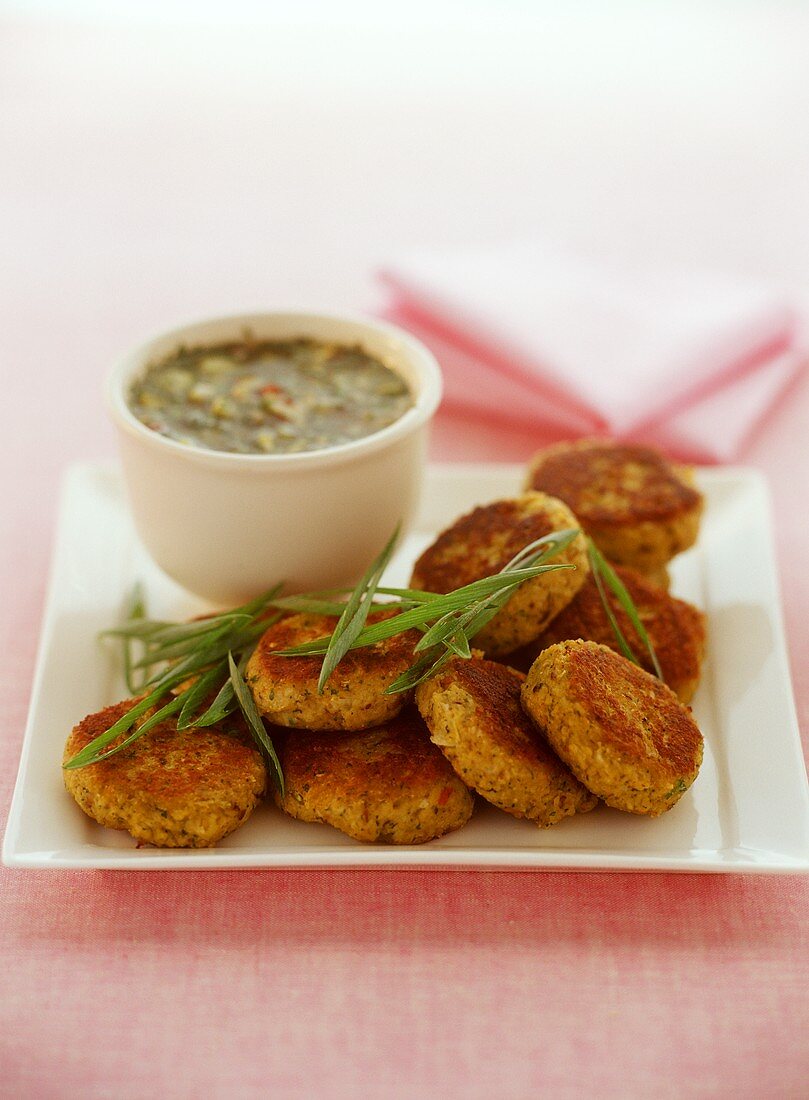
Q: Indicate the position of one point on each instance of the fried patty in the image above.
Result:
(472, 708)
(676, 629)
(622, 732)
(483, 542)
(387, 784)
(660, 578)
(638, 508)
(171, 788)
(285, 688)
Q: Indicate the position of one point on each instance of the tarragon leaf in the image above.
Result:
(603, 572)
(353, 618)
(255, 723)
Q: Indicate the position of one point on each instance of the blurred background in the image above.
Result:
(163, 161)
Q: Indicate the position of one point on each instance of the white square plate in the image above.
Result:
(747, 812)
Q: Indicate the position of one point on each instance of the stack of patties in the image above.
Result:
(584, 724)
(389, 776)
(587, 723)
(472, 707)
(474, 712)
(640, 511)
(675, 628)
(354, 757)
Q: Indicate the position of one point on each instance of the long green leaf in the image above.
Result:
(310, 605)
(121, 726)
(223, 705)
(448, 621)
(136, 610)
(181, 646)
(352, 620)
(137, 628)
(422, 670)
(182, 632)
(206, 642)
(552, 544)
(426, 613)
(199, 692)
(86, 756)
(163, 630)
(170, 679)
(255, 723)
(602, 569)
(225, 702)
(620, 637)
(208, 654)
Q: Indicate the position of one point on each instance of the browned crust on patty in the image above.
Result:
(485, 540)
(639, 509)
(172, 788)
(285, 688)
(474, 714)
(621, 731)
(482, 542)
(386, 784)
(675, 628)
(495, 691)
(388, 657)
(611, 483)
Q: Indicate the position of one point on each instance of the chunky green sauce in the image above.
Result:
(261, 397)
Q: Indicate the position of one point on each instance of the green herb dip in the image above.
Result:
(262, 397)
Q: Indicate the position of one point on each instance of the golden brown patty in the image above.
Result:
(676, 629)
(660, 578)
(622, 732)
(637, 507)
(483, 542)
(172, 788)
(473, 711)
(285, 688)
(385, 784)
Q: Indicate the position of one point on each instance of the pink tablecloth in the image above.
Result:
(384, 984)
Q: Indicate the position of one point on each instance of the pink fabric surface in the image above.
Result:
(331, 984)
(689, 361)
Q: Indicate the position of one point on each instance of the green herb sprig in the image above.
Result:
(606, 577)
(203, 658)
(448, 621)
(207, 657)
(352, 620)
(136, 609)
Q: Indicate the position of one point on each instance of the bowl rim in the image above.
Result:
(429, 389)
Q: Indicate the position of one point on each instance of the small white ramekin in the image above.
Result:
(228, 526)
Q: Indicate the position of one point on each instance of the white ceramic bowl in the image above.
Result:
(228, 526)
